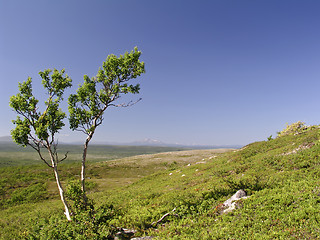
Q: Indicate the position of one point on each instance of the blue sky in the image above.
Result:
(217, 72)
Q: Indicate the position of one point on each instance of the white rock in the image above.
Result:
(230, 204)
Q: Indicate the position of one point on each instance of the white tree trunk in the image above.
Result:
(83, 168)
(83, 165)
(56, 174)
(65, 204)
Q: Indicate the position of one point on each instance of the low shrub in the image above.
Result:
(294, 128)
(88, 222)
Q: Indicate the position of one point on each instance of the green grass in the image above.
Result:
(19, 205)
(281, 177)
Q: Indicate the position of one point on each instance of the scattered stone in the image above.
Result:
(301, 147)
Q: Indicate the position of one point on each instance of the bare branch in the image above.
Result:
(164, 216)
(129, 104)
(38, 149)
(82, 130)
(65, 157)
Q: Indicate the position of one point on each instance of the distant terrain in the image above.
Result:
(180, 194)
(144, 142)
(14, 155)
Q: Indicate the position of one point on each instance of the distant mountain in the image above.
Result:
(148, 142)
(144, 142)
(153, 142)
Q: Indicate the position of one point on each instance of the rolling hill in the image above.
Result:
(181, 195)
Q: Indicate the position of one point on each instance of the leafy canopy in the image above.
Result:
(32, 126)
(95, 95)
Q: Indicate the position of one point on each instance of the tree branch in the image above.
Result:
(38, 149)
(164, 216)
(65, 157)
(81, 130)
(129, 104)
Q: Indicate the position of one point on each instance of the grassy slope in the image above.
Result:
(284, 194)
(281, 177)
(19, 205)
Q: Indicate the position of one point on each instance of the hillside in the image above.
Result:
(182, 196)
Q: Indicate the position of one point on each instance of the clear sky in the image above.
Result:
(217, 71)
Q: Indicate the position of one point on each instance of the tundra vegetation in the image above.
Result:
(179, 195)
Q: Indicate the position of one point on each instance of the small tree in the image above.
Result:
(95, 95)
(38, 129)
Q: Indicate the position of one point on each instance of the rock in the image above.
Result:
(142, 238)
(230, 204)
(124, 234)
(127, 234)
(200, 162)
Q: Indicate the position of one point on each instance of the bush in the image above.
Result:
(294, 128)
(32, 193)
(85, 227)
(87, 221)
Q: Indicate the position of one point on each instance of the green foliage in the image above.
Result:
(32, 193)
(79, 201)
(88, 222)
(294, 128)
(95, 95)
(34, 123)
(84, 226)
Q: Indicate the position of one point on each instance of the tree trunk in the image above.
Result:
(83, 166)
(61, 192)
(65, 204)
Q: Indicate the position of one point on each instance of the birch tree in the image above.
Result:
(97, 94)
(38, 129)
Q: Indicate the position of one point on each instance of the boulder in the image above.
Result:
(230, 204)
